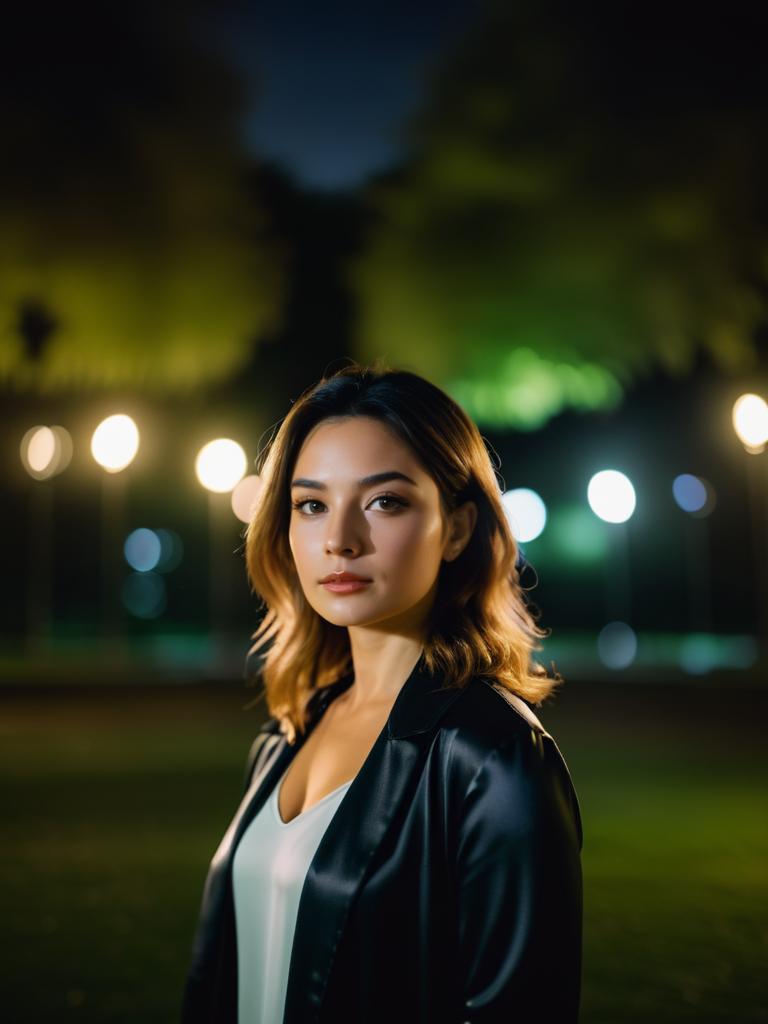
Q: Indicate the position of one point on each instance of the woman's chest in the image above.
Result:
(331, 756)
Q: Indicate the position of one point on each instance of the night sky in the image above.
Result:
(331, 86)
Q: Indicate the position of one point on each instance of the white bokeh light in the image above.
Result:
(526, 513)
(46, 451)
(115, 442)
(220, 464)
(750, 421)
(41, 449)
(611, 496)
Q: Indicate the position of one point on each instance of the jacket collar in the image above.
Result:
(421, 703)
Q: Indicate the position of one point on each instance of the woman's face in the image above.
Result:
(390, 531)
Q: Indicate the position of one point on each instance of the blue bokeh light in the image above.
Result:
(617, 645)
(142, 550)
(690, 492)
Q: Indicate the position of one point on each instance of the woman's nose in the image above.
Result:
(343, 535)
(337, 548)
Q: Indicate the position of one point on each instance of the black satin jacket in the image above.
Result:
(447, 887)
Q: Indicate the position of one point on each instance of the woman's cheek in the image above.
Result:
(416, 546)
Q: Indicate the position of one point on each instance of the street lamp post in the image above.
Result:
(611, 497)
(114, 445)
(695, 497)
(45, 452)
(219, 466)
(750, 422)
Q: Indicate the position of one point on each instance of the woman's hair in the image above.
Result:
(479, 623)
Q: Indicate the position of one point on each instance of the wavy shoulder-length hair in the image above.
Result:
(479, 624)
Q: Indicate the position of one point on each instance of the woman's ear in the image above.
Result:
(461, 525)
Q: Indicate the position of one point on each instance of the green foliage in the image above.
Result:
(581, 194)
(127, 224)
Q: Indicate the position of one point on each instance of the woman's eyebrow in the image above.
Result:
(367, 481)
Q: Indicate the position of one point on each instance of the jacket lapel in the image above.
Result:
(357, 828)
(274, 765)
(211, 989)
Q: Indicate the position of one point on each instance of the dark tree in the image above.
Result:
(585, 202)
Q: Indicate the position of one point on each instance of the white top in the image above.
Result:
(268, 872)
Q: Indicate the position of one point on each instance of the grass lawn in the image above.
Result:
(114, 802)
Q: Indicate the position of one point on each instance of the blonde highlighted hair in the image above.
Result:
(479, 624)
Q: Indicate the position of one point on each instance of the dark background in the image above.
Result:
(557, 214)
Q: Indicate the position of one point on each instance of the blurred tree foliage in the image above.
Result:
(131, 249)
(585, 200)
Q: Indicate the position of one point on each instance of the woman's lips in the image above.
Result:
(346, 586)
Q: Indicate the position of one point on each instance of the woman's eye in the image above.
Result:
(392, 503)
(307, 501)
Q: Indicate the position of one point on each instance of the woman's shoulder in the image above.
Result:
(489, 720)
(493, 713)
(522, 710)
(497, 744)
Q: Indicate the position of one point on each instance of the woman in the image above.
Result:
(408, 844)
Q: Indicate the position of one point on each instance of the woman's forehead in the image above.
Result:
(361, 438)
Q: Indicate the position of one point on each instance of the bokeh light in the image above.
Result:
(220, 464)
(693, 494)
(115, 442)
(750, 421)
(617, 645)
(46, 451)
(146, 550)
(611, 496)
(41, 449)
(142, 549)
(144, 595)
(244, 497)
(526, 513)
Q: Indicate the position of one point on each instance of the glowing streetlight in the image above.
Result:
(45, 452)
(220, 465)
(611, 496)
(750, 421)
(526, 513)
(696, 496)
(115, 442)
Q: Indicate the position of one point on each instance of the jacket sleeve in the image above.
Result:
(519, 886)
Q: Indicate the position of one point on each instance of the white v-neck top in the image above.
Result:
(268, 871)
